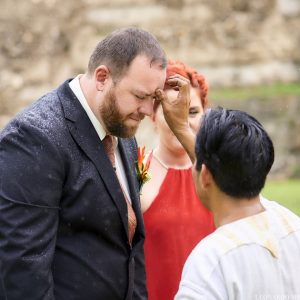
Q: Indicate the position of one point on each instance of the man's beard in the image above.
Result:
(113, 120)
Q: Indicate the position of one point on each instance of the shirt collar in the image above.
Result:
(76, 88)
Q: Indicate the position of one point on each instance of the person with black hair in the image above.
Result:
(254, 252)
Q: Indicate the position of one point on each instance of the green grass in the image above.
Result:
(264, 91)
(285, 192)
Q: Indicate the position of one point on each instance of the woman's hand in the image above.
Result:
(176, 112)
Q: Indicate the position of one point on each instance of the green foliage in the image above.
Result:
(285, 192)
(264, 91)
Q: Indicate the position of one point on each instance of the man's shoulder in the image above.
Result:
(284, 221)
(265, 229)
(43, 115)
(209, 251)
(203, 264)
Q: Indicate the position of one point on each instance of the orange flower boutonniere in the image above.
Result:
(142, 167)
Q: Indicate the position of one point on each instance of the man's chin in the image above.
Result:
(126, 132)
(131, 131)
(123, 129)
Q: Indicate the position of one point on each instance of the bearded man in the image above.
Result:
(70, 219)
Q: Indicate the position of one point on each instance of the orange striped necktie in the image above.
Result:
(109, 144)
(109, 147)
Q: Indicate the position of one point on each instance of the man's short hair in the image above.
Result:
(237, 151)
(119, 48)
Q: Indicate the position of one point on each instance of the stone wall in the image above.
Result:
(232, 42)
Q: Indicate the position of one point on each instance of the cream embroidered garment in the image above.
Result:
(250, 259)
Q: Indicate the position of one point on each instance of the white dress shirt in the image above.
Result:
(76, 88)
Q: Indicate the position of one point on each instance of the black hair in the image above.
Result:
(118, 49)
(237, 151)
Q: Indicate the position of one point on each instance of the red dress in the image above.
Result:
(175, 222)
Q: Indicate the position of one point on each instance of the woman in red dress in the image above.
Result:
(175, 219)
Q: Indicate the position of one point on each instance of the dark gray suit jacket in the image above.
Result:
(63, 216)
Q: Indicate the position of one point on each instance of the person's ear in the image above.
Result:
(101, 75)
(205, 177)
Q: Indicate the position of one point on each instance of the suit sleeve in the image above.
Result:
(31, 176)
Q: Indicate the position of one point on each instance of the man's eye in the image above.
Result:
(140, 97)
(193, 113)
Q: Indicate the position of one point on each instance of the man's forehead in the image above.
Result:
(142, 92)
(145, 84)
(145, 79)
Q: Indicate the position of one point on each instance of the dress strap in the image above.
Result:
(158, 159)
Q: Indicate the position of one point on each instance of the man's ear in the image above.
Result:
(205, 177)
(101, 75)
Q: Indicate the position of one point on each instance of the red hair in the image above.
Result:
(198, 81)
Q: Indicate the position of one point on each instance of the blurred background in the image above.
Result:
(249, 51)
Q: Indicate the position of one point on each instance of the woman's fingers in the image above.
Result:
(179, 78)
(178, 82)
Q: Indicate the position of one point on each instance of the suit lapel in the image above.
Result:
(87, 139)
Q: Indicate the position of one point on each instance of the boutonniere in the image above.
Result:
(142, 168)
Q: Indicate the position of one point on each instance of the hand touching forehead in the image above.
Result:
(144, 77)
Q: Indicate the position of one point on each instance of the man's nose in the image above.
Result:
(146, 107)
